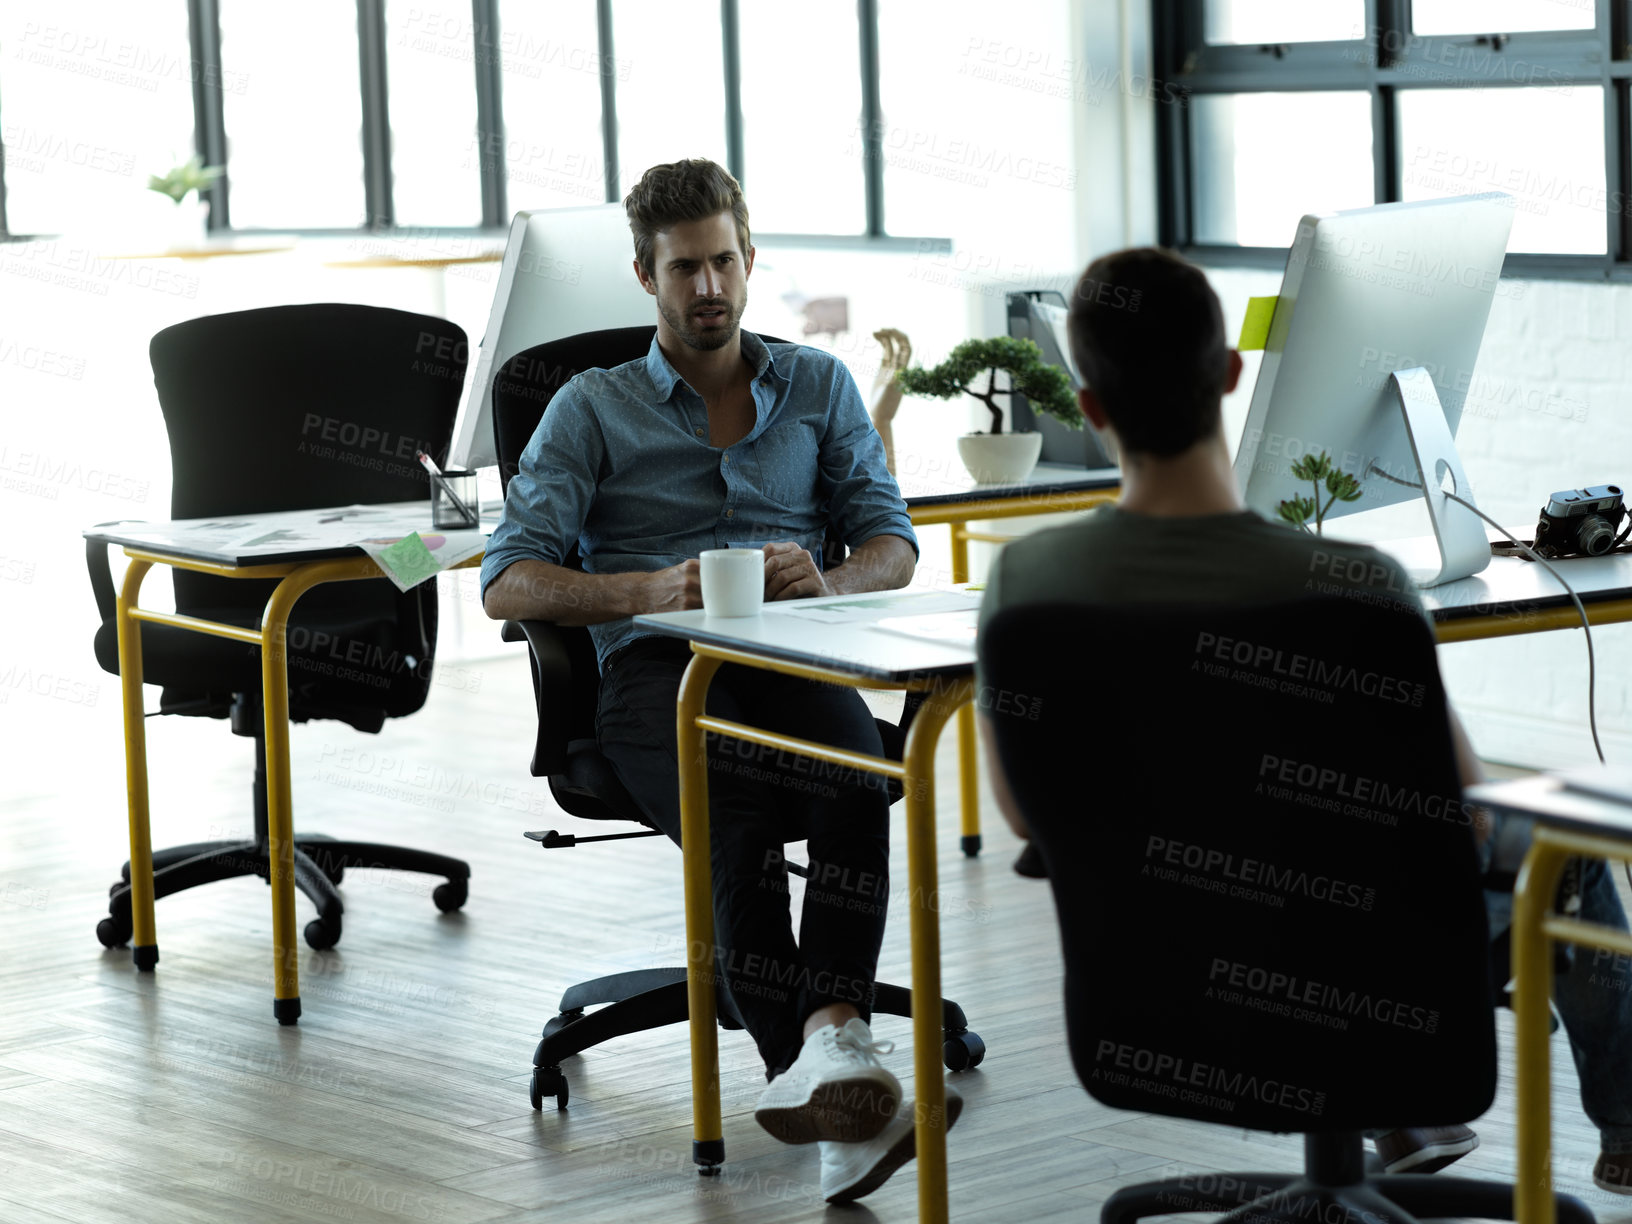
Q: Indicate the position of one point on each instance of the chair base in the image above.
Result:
(1326, 1191)
(652, 998)
(320, 864)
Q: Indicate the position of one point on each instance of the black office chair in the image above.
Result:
(290, 408)
(566, 682)
(1267, 890)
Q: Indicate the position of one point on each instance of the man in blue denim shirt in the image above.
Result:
(717, 439)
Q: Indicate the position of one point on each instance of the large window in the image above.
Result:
(553, 151)
(1269, 109)
(430, 70)
(409, 116)
(132, 70)
(671, 99)
(976, 123)
(293, 115)
(801, 117)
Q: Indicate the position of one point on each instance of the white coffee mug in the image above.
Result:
(733, 581)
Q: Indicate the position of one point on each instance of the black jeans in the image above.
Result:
(760, 799)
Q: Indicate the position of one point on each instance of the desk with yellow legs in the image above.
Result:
(947, 495)
(1511, 597)
(860, 656)
(297, 575)
(1567, 824)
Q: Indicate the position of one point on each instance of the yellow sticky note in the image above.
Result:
(1255, 327)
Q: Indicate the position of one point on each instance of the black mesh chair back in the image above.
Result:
(290, 408)
(525, 385)
(522, 391)
(1267, 887)
(295, 408)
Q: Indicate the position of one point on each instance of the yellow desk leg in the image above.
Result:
(960, 551)
(280, 834)
(144, 942)
(922, 883)
(968, 782)
(708, 1134)
(1533, 973)
(280, 831)
(968, 757)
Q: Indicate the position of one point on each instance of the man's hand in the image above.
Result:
(792, 573)
(679, 588)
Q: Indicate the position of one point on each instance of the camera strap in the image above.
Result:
(1506, 548)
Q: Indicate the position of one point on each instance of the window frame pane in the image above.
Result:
(1388, 60)
(373, 88)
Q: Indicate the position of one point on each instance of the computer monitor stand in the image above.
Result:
(1458, 532)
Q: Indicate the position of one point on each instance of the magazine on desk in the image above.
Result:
(877, 607)
(934, 616)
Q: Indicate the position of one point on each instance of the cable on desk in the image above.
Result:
(1586, 627)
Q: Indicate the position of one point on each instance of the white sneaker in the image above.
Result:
(835, 1089)
(851, 1170)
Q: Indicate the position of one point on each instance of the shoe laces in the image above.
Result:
(856, 1038)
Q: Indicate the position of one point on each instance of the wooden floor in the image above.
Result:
(402, 1094)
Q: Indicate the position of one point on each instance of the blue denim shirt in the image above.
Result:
(621, 466)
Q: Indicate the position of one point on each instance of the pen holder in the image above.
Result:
(453, 501)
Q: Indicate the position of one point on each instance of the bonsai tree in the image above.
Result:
(1046, 386)
(191, 175)
(1318, 469)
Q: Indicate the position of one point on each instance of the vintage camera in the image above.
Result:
(1581, 522)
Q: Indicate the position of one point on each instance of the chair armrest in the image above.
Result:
(96, 560)
(552, 680)
(1504, 855)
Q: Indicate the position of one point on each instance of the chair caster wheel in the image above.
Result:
(113, 889)
(321, 935)
(450, 896)
(963, 1051)
(548, 1081)
(113, 934)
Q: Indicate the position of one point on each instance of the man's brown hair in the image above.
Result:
(689, 190)
(1147, 335)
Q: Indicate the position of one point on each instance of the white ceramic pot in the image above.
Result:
(1000, 458)
(185, 225)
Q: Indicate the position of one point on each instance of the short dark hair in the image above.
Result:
(688, 190)
(1147, 335)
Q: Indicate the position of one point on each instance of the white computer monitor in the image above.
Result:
(1369, 296)
(565, 270)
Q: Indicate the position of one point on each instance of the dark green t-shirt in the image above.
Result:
(1109, 556)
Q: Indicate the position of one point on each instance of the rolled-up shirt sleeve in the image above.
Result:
(548, 499)
(862, 497)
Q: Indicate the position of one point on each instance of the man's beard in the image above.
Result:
(695, 337)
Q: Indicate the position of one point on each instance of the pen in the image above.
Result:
(334, 518)
(429, 465)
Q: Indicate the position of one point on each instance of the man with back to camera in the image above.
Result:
(716, 439)
(1147, 335)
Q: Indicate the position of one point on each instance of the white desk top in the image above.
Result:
(941, 480)
(1509, 585)
(287, 536)
(857, 644)
(1545, 799)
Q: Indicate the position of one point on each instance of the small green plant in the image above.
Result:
(1318, 470)
(190, 175)
(1046, 386)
